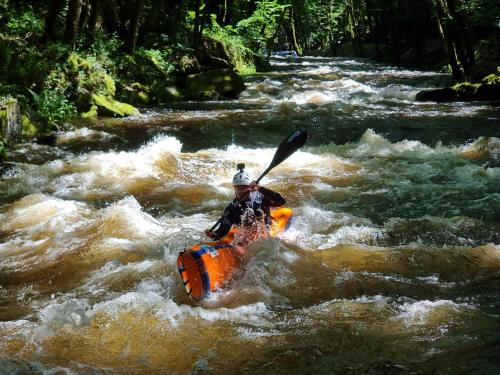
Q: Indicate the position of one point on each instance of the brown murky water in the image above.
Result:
(392, 264)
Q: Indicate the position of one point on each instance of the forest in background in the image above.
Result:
(66, 58)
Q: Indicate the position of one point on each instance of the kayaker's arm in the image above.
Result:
(223, 229)
(273, 198)
(225, 224)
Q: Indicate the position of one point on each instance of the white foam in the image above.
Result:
(255, 314)
(38, 212)
(317, 228)
(82, 134)
(420, 312)
(129, 221)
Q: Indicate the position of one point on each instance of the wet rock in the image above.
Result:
(462, 92)
(488, 92)
(437, 95)
(47, 139)
(213, 53)
(163, 94)
(6, 167)
(224, 82)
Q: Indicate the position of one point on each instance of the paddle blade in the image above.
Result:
(287, 147)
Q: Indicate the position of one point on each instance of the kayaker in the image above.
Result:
(250, 207)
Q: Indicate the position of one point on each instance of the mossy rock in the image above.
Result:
(92, 112)
(492, 79)
(214, 53)
(465, 91)
(30, 129)
(165, 93)
(107, 106)
(225, 82)
(188, 65)
(135, 93)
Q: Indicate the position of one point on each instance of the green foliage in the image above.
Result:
(24, 23)
(325, 22)
(234, 45)
(261, 25)
(148, 66)
(53, 106)
(106, 48)
(81, 76)
(484, 13)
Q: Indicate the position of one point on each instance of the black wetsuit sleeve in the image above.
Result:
(230, 217)
(223, 229)
(272, 198)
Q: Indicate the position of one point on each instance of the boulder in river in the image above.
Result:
(219, 82)
(107, 106)
(464, 92)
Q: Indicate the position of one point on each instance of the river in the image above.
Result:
(392, 263)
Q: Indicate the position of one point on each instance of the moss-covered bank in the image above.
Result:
(486, 90)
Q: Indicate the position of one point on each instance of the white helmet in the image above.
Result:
(242, 177)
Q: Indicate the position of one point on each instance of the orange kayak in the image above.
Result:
(207, 267)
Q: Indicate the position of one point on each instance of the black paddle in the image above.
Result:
(287, 147)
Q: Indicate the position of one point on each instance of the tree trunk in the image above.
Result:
(226, 16)
(51, 19)
(417, 23)
(448, 42)
(353, 28)
(270, 42)
(196, 28)
(463, 34)
(395, 35)
(72, 22)
(133, 29)
(206, 17)
(85, 14)
(153, 18)
(297, 46)
(497, 32)
(109, 14)
(92, 23)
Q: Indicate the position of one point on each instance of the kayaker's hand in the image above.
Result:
(210, 234)
(254, 186)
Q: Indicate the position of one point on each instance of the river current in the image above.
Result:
(391, 265)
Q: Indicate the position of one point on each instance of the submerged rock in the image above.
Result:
(213, 83)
